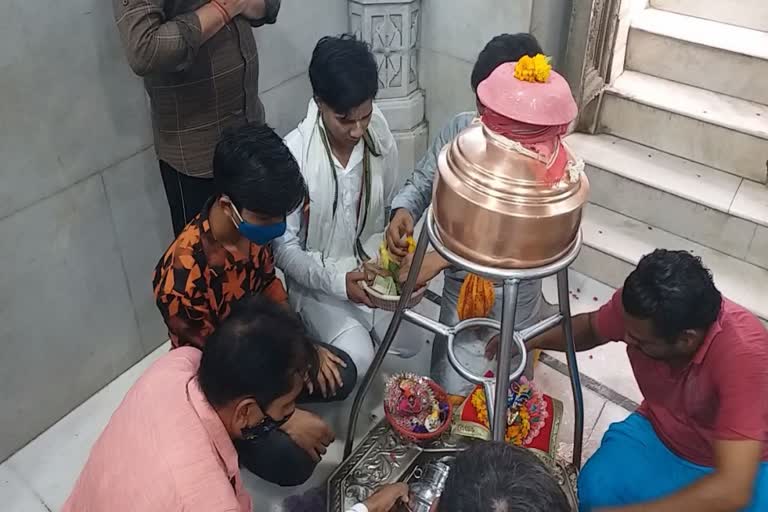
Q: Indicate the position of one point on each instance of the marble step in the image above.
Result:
(743, 13)
(614, 243)
(716, 209)
(710, 128)
(702, 53)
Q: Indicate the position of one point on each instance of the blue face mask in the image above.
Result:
(259, 235)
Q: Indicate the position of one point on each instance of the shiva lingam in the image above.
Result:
(507, 207)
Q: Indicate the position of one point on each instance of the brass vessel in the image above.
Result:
(494, 205)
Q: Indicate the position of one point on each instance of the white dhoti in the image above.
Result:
(342, 225)
(348, 326)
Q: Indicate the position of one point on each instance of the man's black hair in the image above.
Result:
(257, 171)
(343, 73)
(497, 477)
(257, 351)
(674, 290)
(503, 48)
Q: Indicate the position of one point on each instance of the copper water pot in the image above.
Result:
(494, 207)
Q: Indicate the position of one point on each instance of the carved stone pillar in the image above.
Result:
(391, 27)
(589, 56)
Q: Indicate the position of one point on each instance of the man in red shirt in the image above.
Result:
(699, 441)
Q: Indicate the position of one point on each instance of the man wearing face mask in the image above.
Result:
(349, 159)
(224, 255)
(170, 445)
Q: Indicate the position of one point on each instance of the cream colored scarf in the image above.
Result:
(321, 182)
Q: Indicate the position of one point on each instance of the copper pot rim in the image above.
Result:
(501, 262)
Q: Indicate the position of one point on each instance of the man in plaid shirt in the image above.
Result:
(201, 70)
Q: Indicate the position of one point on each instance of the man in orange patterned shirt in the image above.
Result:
(225, 254)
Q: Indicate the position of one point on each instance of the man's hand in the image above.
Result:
(354, 292)
(310, 432)
(386, 497)
(433, 264)
(399, 229)
(328, 375)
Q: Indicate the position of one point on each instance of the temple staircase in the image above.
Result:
(679, 159)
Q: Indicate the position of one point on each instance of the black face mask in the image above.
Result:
(265, 427)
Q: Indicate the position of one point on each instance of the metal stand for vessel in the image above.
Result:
(496, 388)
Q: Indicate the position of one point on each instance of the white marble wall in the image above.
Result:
(83, 218)
(550, 21)
(285, 50)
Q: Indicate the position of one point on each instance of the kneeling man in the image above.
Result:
(170, 445)
(225, 255)
(349, 160)
(699, 441)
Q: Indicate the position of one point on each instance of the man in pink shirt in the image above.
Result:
(699, 441)
(169, 445)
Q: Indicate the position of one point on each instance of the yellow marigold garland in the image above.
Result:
(411, 244)
(517, 432)
(533, 69)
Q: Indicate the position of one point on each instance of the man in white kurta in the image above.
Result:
(349, 160)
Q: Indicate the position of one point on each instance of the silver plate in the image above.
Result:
(383, 458)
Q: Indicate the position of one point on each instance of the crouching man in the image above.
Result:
(348, 157)
(171, 444)
(225, 255)
(699, 440)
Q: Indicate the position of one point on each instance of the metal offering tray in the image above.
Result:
(384, 458)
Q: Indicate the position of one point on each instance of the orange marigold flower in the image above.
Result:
(533, 69)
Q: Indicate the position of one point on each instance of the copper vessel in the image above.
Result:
(494, 206)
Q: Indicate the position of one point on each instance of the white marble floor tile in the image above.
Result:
(52, 462)
(558, 386)
(608, 364)
(16, 495)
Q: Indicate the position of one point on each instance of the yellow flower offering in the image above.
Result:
(389, 284)
(517, 430)
(384, 257)
(533, 69)
(411, 244)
